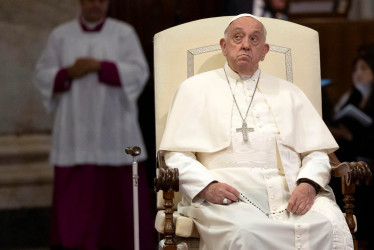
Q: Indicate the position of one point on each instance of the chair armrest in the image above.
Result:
(167, 180)
(351, 174)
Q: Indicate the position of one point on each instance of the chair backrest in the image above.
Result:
(191, 48)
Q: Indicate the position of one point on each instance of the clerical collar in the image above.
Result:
(232, 74)
(252, 77)
(91, 26)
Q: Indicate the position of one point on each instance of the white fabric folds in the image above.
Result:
(200, 118)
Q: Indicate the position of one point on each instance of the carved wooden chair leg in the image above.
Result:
(167, 181)
(348, 192)
(169, 228)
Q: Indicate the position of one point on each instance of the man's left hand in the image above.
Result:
(301, 199)
(89, 64)
(83, 66)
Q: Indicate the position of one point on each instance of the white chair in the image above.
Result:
(192, 48)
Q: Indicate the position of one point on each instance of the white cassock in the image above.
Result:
(94, 122)
(265, 169)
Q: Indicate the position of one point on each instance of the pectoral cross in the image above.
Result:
(244, 129)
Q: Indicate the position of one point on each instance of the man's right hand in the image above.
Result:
(83, 66)
(216, 192)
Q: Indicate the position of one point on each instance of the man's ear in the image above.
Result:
(265, 51)
(222, 43)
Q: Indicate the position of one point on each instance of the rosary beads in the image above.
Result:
(243, 198)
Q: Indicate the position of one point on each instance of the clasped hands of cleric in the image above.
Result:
(83, 66)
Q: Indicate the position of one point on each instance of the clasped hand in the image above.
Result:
(83, 66)
(300, 202)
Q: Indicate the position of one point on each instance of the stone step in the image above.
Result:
(26, 176)
(25, 148)
(26, 173)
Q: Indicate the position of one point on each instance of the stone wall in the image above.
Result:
(24, 28)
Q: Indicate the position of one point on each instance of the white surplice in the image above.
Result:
(94, 122)
(255, 168)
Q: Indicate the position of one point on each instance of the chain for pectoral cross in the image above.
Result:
(244, 129)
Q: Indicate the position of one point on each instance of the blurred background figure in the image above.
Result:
(91, 74)
(363, 9)
(265, 8)
(353, 128)
(354, 135)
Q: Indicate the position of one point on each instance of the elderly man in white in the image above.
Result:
(252, 154)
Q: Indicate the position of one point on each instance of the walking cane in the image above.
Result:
(135, 151)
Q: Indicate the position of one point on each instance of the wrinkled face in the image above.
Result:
(362, 74)
(94, 10)
(244, 46)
